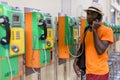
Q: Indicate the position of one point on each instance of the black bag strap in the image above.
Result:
(83, 41)
(85, 31)
(83, 46)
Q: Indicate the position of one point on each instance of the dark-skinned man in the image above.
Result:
(97, 40)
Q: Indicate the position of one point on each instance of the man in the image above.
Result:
(97, 40)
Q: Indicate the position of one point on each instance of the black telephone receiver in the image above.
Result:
(5, 21)
(44, 24)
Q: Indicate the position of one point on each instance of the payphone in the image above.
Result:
(12, 42)
(12, 30)
(36, 25)
(73, 47)
(67, 37)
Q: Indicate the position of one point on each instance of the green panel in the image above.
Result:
(4, 9)
(3, 51)
(2, 47)
(41, 31)
(69, 39)
(44, 57)
(73, 50)
(116, 34)
(37, 31)
(5, 71)
(71, 31)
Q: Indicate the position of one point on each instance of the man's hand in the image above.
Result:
(76, 68)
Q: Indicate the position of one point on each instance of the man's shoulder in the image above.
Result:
(106, 27)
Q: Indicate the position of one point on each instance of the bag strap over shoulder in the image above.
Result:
(82, 45)
(85, 31)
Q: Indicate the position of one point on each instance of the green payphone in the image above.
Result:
(67, 38)
(11, 41)
(75, 33)
(46, 53)
(12, 30)
(36, 34)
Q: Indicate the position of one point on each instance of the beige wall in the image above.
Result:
(50, 6)
(70, 7)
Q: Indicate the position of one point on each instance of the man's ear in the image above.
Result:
(99, 17)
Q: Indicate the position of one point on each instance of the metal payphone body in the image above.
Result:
(12, 41)
(65, 35)
(36, 35)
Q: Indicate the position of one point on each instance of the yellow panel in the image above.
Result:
(0, 10)
(17, 39)
(76, 36)
(50, 38)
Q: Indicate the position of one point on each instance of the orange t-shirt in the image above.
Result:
(95, 63)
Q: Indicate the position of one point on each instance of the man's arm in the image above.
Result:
(100, 45)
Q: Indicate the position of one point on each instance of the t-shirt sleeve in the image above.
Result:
(108, 35)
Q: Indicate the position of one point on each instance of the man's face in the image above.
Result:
(91, 16)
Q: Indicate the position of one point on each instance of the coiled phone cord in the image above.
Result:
(7, 53)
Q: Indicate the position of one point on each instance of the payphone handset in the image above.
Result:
(43, 23)
(5, 22)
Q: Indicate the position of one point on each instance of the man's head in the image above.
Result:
(94, 12)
